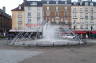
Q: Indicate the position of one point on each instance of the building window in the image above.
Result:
(74, 27)
(47, 13)
(91, 17)
(65, 12)
(74, 10)
(29, 14)
(34, 3)
(81, 11)
(86, 3)
(87, 26)
(56, 2)
(74, 22)
(29, 21)
(19, 19)
(47, 2)
(29, 8)
(38, 18)
(86, 9)
(66, 8)
(66, 22)
(80, 3)
(65, 2)
(81, 27)
(47, 8)
(57, 8)
(62, 20)
(91, 4)
(86, 17)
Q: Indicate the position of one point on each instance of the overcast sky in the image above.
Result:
(11, 4)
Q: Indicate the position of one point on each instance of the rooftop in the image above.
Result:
(40, 4)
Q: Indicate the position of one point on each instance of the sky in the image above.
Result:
(11, 4)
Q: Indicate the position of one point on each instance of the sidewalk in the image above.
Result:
(90, 40)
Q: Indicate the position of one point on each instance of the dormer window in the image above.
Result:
(47, 2)
(86, 3)
(56, 2)
(80, 3)
(74, 3)
(65, 2)
(34, 3)
(91, 4)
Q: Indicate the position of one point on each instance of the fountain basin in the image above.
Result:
(47, 43)
(53, 35)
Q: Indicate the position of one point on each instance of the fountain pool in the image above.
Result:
(53, 35)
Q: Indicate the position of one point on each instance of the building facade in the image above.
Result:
(83, 16)
(57, 13)
(30, 15)
(5, 22)
(33, 15)
(27, 17)
(18, 18)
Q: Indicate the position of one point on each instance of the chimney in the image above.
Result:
(4, 9)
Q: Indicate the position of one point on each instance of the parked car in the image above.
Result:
(69, 36)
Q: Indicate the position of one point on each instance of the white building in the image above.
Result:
(83, 16)
(33, 16)
(27, 17)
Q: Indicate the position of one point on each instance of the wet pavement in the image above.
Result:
(65, 54)
(15, 56)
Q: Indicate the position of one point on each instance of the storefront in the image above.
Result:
(82, 34)
(86, 34)
(92, 34)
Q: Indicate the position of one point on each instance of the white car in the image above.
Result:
(69, 36)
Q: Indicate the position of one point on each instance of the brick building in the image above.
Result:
(57, 12)
(5, 22)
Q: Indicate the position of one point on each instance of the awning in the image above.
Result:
(80, 32)
(93, 32)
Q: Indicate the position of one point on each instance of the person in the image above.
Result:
(86, 36)
(8, 36)
(4, 34)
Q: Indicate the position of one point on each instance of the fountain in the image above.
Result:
(53, 35)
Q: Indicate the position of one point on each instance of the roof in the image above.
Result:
(19, 9)
(84, 3)
(33, 3)
(4, 14)
(40, 4)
